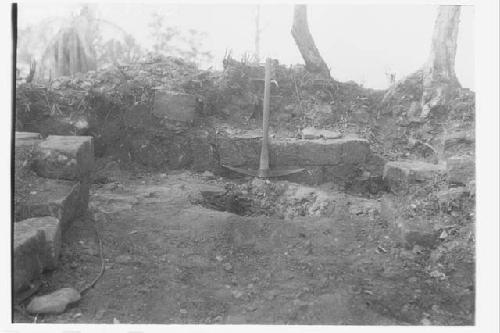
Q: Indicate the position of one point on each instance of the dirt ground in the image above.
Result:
(171, 261)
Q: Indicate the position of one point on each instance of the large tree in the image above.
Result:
(439, 71)
(305, 42)
(435, 82)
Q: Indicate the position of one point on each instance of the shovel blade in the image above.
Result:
(253, 173)
(268, 173)
(278, 173)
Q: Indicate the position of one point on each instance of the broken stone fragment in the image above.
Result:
(54, 303)
(208, 174)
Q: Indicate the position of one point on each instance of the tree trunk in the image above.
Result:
(439, 71)
(441, 63)
(305, 42)
(257, 35)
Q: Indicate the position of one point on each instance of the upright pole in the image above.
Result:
(264, 153)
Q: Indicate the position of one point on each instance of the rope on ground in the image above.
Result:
(22, 310)
(101, 272)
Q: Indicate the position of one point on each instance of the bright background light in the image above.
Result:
(358, 42)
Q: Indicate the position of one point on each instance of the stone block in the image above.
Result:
(64, 200)
(460, 169)
(245, 151)
(65, 157)
(175, 106)
(297, 152)
(27, 256)
(27, 139)
(400, 174)
(51, 228)
(239, 151)
(323, 159)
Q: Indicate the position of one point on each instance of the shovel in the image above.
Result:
(264, 171)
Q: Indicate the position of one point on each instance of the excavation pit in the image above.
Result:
(283, 200)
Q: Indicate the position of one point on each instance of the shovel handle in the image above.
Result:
(264, 153)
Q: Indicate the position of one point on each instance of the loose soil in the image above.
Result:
(171, 260)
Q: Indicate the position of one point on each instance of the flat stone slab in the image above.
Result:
(62, 199)
(37, 244)
(399, 174)
(460, 169)
(27, 139)
(65, 157)
(244, 151)
(175, 106)
(27, 136)
(315, 133)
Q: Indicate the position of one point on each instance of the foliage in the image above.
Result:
(170, 41)
(32, 41)
(123, 49)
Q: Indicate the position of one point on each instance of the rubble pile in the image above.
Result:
(279, 199)
(117, 106)
(400, 132)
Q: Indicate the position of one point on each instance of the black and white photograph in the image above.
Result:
(245, 164)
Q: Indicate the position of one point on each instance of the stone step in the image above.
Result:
(37, 244)
(241, 151)
(323, 159)
(65, 200)
(65, 157)
(399, 174)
